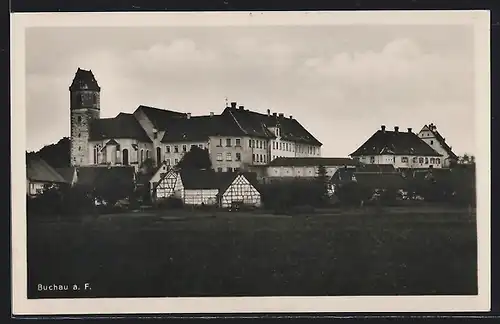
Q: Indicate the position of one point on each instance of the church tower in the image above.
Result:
(84, 107)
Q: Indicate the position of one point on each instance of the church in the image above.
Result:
(236, 139)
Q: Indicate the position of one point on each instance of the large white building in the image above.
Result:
(235, 139)
(402, 149)
(433, 138)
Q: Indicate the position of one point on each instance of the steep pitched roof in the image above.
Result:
(432, 128)
(67, 173)
(199, 128)
(225, 179)
(93, 176)
(122, 126)
(199, 179)
(392, 142)
(84, 80)
(40, 171)
(312, 161)
(161, 118)
(257, 124)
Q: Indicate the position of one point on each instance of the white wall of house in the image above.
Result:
(196, 197)
(241, 190)
(282, 148)
(428, 137)
(299, 171)
(170, 186)
(137, 152)
(403, 161)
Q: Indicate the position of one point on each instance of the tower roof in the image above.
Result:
(84, 80)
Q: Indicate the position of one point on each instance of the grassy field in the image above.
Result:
(235, 254)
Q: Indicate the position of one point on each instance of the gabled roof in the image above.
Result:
(432, 128)
(395, 142)
(375, 168)
(312, 161)
(160, 118)
(199, 128)
(122, 126)
(93, 176)
(84, 80)
(67, 173)
(227, 178)
(199, 179)
(38, 170)
(257, 124)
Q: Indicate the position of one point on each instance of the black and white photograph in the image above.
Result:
(250, 162)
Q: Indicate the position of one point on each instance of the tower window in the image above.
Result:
(432, 142)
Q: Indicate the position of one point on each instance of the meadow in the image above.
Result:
(193, 253)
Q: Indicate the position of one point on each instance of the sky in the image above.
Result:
(341, 82)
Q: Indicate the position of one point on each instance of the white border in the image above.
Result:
(22, 306)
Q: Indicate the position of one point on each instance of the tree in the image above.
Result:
(56, 155)
(147, 166)
(196, 158)
(322, 180)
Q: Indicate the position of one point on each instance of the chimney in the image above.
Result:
(409, 130)
(269, 112)
(396, 129)
(211, 114)
(291, 117)
(382, 128)
(274, 114)
(233, 104)
(241, 107)
(188, 115)
(281, 115)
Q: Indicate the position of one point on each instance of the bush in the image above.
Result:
(169, 203)
(280, 196)
(353, 193)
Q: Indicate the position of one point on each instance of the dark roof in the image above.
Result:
(122, 126)
(227, 178)
(312, 161)
(392, 142)
(84, 80)
(160, 118)
(199, 128)
(375, 168)
(381, 180)
(93, 176)
(199, 179)
(256, 124)
(441, 140)
(39, 170)
(67, 173)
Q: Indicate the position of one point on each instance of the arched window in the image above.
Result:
(147, 154)
(125, 156)
(142, 155)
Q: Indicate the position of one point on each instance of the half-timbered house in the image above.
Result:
(239, 188)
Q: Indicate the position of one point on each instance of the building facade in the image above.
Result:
(430, 135)
(235, 139)
(402, 149)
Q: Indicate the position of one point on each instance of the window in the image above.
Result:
(438, 161)
(236, 169)
(95, 155)
(265, 144)
(147, 154)
(219, 169)
(421, 160)
(253, 157)
(433, 160)
(253, 143)
(79, 135)
(229, 157)
(220, 142)
(79, 148)
(219, 156)
(167, 148)
(167, 161)
(238, 142)
(200, 146)
(176, 161)
(414, 160)
(261, 144)
(238, 156)
(281, 146)
(264, 158)
(432, 142)
(404, 159)
(184, 148)
(229, 169)
(426, 160)
(176, 148)
(79, 119)
(249, 143)
(142, 155)
(228, 142)
(372, 159)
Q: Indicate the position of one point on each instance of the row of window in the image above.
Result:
(421, 160)
(229, 142)
(228, 169)
(175, 148)
(229, 156)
